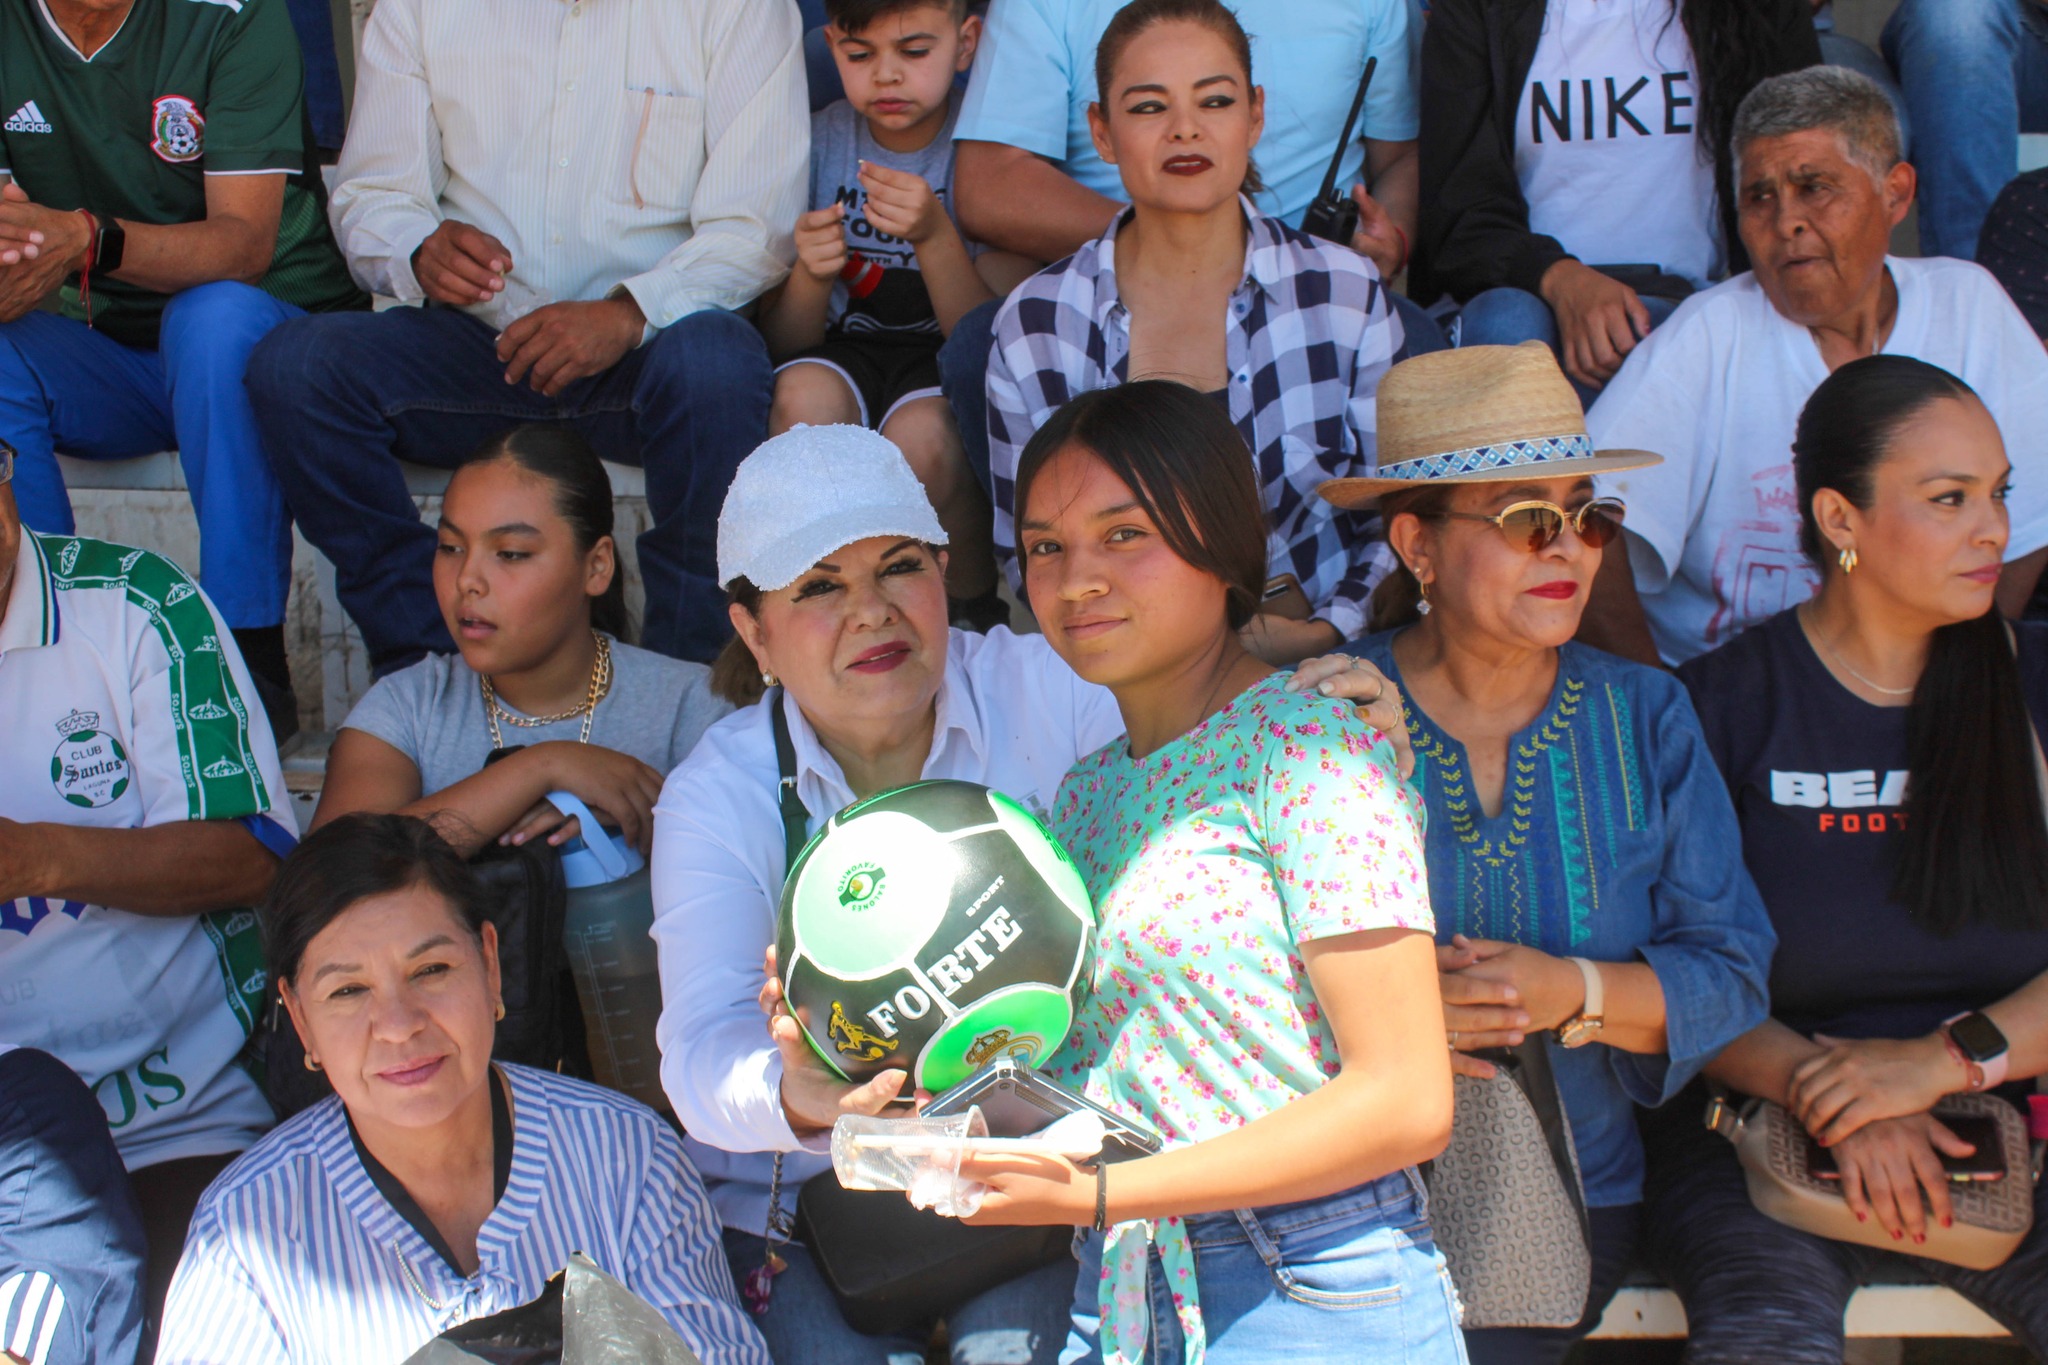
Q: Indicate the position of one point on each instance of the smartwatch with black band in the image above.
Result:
(109, 244)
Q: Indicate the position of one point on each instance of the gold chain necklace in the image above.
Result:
(600, 688)
(1813, 632)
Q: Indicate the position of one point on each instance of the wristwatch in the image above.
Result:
(109, 244)
(1983, 1046)
(1585, 1026)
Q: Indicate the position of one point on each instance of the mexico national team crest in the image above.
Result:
(178, 132)
(90, 768)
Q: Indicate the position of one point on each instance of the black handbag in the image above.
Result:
(891, 1266)
(527, 901)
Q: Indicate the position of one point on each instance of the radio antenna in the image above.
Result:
(1350, 122)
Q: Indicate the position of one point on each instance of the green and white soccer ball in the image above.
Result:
(935, 927)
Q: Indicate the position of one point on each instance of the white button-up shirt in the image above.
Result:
(662, 146)
(1011, 716)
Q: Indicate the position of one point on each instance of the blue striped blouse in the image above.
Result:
(294, 1256)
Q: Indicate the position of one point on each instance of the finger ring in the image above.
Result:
(1454, 1040)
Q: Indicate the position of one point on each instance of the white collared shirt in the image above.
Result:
(659, 145)
(1011, 716)
(128, 707)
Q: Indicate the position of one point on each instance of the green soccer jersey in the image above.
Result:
(185, 89)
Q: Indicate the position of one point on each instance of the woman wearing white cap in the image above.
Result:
(830, 550)
(1584, 860)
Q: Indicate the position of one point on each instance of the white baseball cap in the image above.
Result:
(813, 490)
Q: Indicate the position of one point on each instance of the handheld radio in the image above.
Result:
(1334, 216)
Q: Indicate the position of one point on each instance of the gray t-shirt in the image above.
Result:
(433, 713)
(889, 301)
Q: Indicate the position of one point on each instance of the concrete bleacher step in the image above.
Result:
(1651, 1312)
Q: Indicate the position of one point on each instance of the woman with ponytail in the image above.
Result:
(1880, 743)
(545, 695)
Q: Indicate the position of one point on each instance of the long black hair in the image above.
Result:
(1186, 466)
(583, 498)
(1735, 44)
(1975, 847)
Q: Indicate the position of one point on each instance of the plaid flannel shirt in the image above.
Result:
(1309, 334)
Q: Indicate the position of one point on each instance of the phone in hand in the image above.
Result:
(1984, 1165)
(1017, 1102)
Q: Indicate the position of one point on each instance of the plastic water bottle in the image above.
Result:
(608, 936)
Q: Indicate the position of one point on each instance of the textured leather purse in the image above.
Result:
(1505, 1199)
(1991, 1216)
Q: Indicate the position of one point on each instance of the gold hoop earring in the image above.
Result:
(500, 1015)
(312, 1065)
(1847, 559)
(769, 679)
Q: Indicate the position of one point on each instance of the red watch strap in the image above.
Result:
(92, 251)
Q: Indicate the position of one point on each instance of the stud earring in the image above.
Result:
(1847, 559)
(312, 1065)
(768, 679)
(500, 1015)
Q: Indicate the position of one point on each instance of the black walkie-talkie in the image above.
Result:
(1334, 216)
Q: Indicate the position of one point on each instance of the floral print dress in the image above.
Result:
(1279, 820)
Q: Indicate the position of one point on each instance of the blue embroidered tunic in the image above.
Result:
(1616, 842)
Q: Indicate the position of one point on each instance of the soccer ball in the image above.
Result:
(935, 927)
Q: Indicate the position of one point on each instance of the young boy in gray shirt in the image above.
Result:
(882, 272)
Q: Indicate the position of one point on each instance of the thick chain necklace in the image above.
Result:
(600, 687)
(1813, 633)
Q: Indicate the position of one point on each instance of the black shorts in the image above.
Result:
(884, 374)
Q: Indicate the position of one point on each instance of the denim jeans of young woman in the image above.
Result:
(1354, 1277)
(1755, 1289)
(1023, 1322)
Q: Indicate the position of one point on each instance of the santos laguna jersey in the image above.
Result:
(125, 707)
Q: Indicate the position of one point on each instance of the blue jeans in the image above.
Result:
(64, 386)
(1755, 1289)
(71, 1239)
(1354, 1277)
(1975, 75)
(1509, 317)
(963, 378)
(1420, 332)
(343, 397)
(1019, 1323)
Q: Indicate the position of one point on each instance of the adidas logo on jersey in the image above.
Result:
(27, 119)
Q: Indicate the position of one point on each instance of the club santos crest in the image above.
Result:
(177, 130)
(90, 768)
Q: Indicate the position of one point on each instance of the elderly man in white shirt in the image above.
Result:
(583, 193)
(1713, 532)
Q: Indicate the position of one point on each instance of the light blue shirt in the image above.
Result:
(1035, 78)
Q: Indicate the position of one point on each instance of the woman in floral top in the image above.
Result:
(1265, 987)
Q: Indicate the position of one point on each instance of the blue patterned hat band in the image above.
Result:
(1473, 460)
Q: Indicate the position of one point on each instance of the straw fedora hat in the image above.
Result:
(1480, 414)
